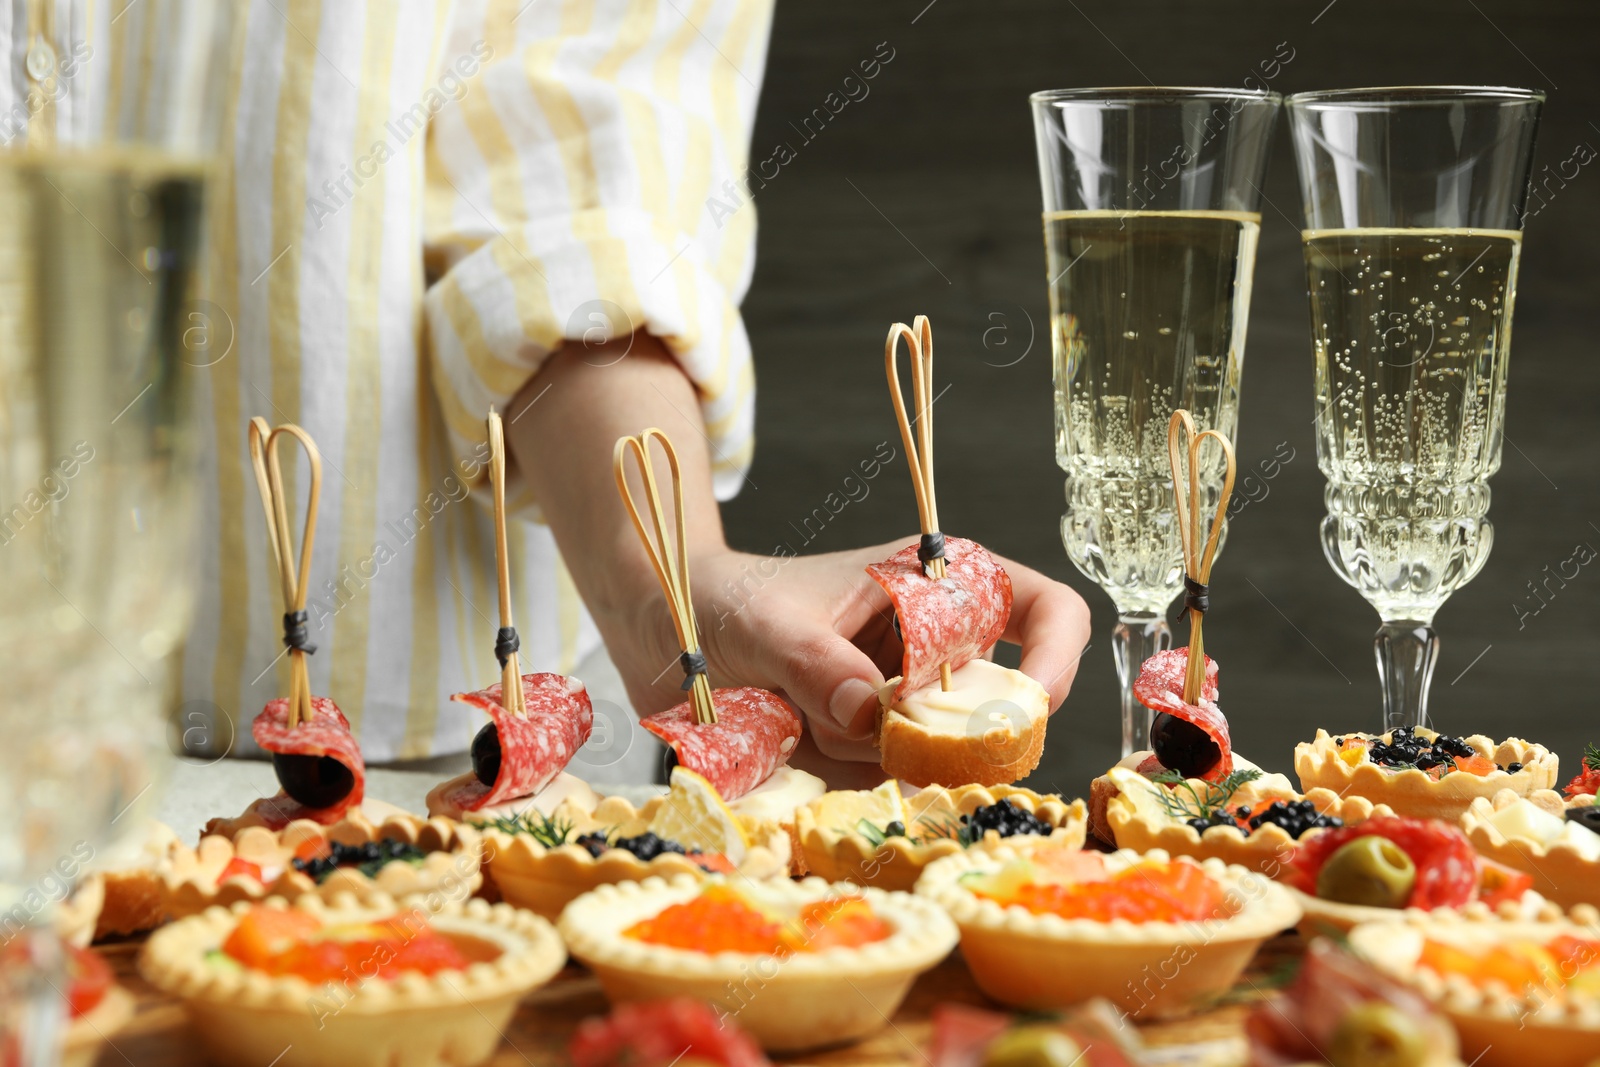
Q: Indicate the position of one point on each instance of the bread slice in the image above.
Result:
(960, 749)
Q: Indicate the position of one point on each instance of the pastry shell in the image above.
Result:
(800, 1002)
(545, 880)
(899, 862)
(452, 868)
(247, 1018)
(1412, 792)
(89, 1032)
(1560, 872)
(1499, 1027)
(1149, 970)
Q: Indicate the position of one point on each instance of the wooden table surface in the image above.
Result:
(537, 1037)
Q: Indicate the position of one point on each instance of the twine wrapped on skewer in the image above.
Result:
(919, 445)
(294, 580)
(671, 566)
(1183, 452)
(506, 642)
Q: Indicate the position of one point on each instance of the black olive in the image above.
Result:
(315, 781)
(1587, 817)
(898, 635)
(669, 761)
(1182, 746)
(486, 754)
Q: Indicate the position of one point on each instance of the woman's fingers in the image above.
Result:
(1051, 623)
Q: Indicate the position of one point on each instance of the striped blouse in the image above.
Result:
(417, 201)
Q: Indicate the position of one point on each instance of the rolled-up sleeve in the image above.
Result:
(587, 178)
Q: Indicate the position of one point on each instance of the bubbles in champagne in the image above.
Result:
(1148, 315)
(1412, 332)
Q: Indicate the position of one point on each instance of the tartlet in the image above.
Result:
(803, 1001)
(1330, 917)
(266, 812)
(131, 870)
(545, 877)
(1136, 819)
(847, 855)
(1498, 1027)
(1564, 871)
(247, 1017)
(192, 877)
(1045, 961)
(1413, 792)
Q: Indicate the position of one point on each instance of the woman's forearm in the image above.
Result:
(562, 430)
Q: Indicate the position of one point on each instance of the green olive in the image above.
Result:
(1370, 870)
(1033, 1046)
(1376, 1034)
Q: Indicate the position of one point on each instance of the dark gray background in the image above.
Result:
(923, 198)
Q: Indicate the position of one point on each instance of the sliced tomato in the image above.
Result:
(264, 933)
(659, 1033)
(240, 868)
(89, 979)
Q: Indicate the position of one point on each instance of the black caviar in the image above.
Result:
(1005, 819)
(647, 846)
(369, 856)
(1294, 817)
(1407, 748)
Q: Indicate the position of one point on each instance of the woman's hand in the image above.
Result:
(821, 631)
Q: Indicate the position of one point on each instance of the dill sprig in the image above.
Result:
(1185, 802)
(1591, 758)
(548, 831)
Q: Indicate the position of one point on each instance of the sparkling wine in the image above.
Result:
(1412, 331)
(1148, 314)
(97, 485)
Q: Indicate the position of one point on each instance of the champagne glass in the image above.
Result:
(101, 179)
(1151, 218)
(1414, 200)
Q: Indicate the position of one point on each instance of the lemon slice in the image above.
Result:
(693, 814)
(844, 810)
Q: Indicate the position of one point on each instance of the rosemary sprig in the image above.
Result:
(1198, 803)
(548, 831)
(1591, 758)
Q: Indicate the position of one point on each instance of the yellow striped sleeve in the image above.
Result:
(590, 184)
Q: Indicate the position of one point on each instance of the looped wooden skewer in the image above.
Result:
(672, 567)
(294, 579)
(919, 444)
(1183, 452)
(506, 641)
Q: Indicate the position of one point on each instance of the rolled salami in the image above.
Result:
(535, 747)
(327, 734)
(754, 735)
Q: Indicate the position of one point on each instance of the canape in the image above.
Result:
(1046, 927)
(1558, 844)
(351, 983)
(1421, 773)
(884, 839)
(402, 857)
(543, 862)
(778, 955)
(1518, 993)
(131, 871)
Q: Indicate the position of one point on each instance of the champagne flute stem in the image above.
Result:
(1137, 637)
(1407, 651)
(32, 1015)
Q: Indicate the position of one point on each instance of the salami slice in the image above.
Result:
(754, 735)
(952, 619)
(327, 734)
(1160, 688)
(535, 747)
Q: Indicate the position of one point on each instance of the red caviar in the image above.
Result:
(289, 942)
(720, 919)
(1145, 892)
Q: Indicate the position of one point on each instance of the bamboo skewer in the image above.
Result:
(506, 641)
(1183, 452)
(294, 580)
(672, 568)
(918, 445)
